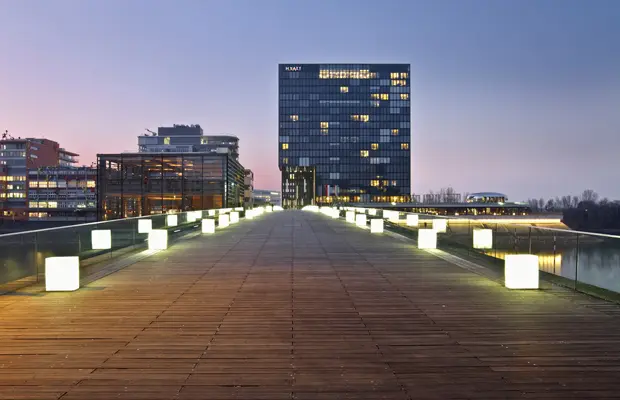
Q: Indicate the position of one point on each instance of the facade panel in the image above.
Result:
(350, 124)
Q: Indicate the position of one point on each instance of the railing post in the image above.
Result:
(530, 240)
(576, 263)
(554, 254)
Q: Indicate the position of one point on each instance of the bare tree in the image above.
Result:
(589, 195)
(541, 204)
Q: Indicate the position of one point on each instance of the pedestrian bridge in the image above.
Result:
(298, 305)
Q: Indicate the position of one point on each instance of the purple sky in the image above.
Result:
(517, 97)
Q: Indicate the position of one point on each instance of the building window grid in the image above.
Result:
(345, 141)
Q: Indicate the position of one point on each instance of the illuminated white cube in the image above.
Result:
(198, 215)
(360, 220)
(413, 219)
(222, 211)
(223, 221)
(372, 211)
(208, 225)
(483, 239)
(172, 220)
(335, 213)
(249, 214)
(350, 216)
(158, 239)
(376, 225)
(521, 271)
(145, 225)
(191, 216)
(101, 239)
(270, 209)
(238, 208)
(62, 274)
(234, 217)
(394, 217)
(427, 239)
(278, 208)
(440, 225)
(211, 213)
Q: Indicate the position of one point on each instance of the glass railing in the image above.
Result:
(23, 254)
(584, 261)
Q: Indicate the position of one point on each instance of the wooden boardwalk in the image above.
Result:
(298, 306)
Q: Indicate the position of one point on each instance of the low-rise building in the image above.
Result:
(187, 139)
(271, 197)
(248, 181)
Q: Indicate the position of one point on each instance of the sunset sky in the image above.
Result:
(519, 97)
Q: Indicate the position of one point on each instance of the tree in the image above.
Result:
(550, 206)
(589, 195)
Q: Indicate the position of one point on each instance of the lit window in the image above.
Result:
(324, 132)
(374, 96)
(166, 140)
(284, 146)
(374, 182)
(364, 118)
(404, 146)
(385, 96)
(355, 117)
(394, 75)
(394, 132)
(33, 184)
(325, 125)
(404, 96)
(375, 103)
(404, 75)
(374, 146)
(364, 153)
(393, 183)
(285, 160)
(294, 117)
(344, 89)
(90, 184)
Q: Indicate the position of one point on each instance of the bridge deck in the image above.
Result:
(298, 306)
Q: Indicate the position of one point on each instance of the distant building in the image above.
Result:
(344, 133)
(262, 197)
(187, 139)
(136, 184)
(248, 181)
(62, 194)
(19, 157)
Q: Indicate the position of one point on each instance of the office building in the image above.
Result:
(187, 139)
(344, 133)
(263, 197)
(18, 157)
(248, 182)
(136, 184)
(62, 194)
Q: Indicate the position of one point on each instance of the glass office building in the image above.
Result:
(136, 184)
(344, 133)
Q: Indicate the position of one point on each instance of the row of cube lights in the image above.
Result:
(63, 273)
(520, 270)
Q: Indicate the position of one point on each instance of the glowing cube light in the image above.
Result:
(372, 211)
(234, 217)
(208, 225)
(521, 271)
(350, 216)
(172, 220)
(62, 274)
(376, 225)
(483, 239)
(427, 239)
(101, 239)
(278, 208)
(145, 225)
(413, 219)
(269, 209)
(238, 208)
(440, 225)
(335, 213)
(360, 220)
(223, 221)
(250, 214)
(211, 213)
(158, 239)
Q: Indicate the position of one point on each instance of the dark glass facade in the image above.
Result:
(349, 123)
(136, 184)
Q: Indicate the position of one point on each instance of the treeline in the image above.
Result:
(585, 212)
